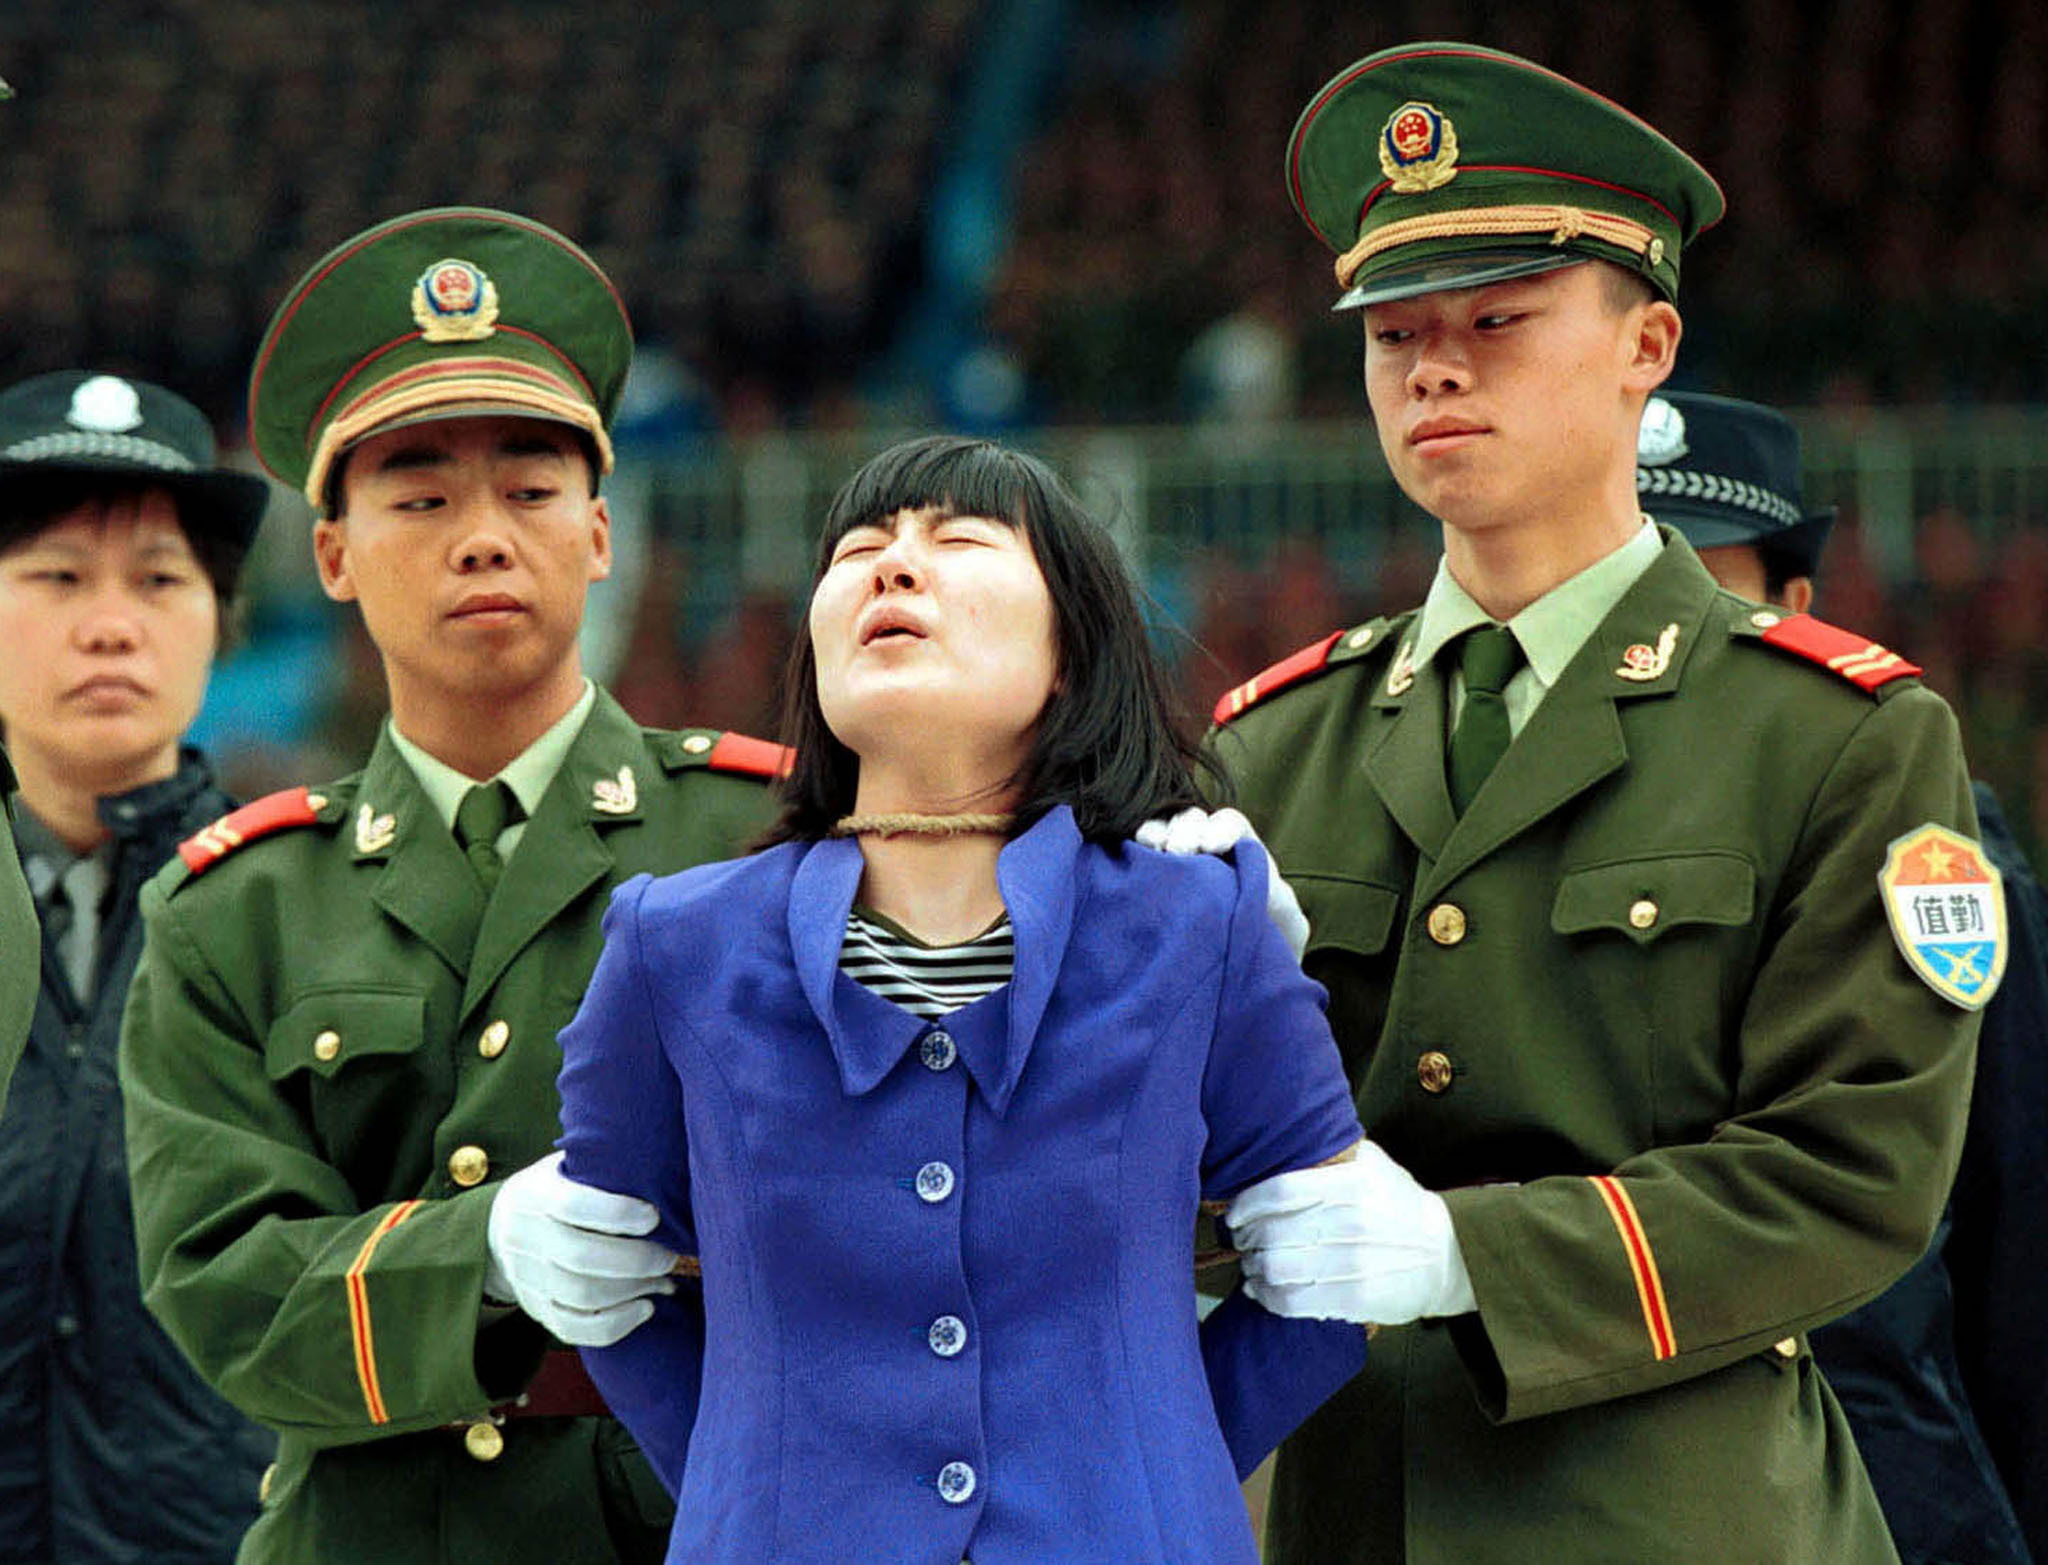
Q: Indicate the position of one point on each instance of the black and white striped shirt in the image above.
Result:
(927, 981)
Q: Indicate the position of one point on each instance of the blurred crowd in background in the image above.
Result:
(1021, 216)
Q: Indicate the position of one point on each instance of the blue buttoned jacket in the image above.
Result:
(1001, 1360)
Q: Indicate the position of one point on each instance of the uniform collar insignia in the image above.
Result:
(374, 832)
(1641, 664)
(615, 796)
(1402, 674)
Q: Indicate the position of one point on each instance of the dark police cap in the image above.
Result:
(1444, 165)
(1723, 471)
(77, 424)
(452, 312)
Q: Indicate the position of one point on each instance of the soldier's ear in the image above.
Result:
(1651, 345)
(330, 554)
(600, 539)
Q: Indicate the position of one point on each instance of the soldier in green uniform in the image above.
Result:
(342, 1036)
(20, 944)
(1652, 921)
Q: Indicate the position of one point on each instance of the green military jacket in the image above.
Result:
(1639, 1013)
(20, 942)
(333, 1049)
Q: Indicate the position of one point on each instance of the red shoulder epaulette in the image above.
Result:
(1298, 665)
(1860, 661)
(274, 812)
(750, 757)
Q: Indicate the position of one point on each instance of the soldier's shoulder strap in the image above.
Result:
(721, 750)
(275, 812)
(1318, 657)
(1858, 659)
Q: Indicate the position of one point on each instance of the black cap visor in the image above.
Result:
(1474, 269)
(1798, 547)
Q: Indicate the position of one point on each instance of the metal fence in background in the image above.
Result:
(1250, 542)
(744, 513)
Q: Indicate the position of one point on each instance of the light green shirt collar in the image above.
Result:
(1553, 628)
(1550, 631)
(528, 774)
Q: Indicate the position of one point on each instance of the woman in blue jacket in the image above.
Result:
(931, 1087)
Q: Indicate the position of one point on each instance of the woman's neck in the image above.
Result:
(941, 888)
(67, 799)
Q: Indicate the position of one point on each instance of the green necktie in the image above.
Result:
(1488, 660)
(486, 810)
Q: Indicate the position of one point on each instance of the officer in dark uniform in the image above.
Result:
(342, 1037)
(19, 950)
(1962, 1329)
(1652, 921)
(120, 546)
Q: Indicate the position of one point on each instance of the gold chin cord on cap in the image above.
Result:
(1556, 224)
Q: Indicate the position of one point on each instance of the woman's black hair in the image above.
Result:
(1107, 743)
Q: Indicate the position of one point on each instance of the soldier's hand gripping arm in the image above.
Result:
(570, 1255)
(1357, 1240)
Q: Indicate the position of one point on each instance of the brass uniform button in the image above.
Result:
(326, 1045)
(1447, 923)
(1434, 1071)
(1642, 913)
(468, 1165)
(696, 744)
(263, 1484)
(1786, 1347)
(1362, 637)
(484, 1440)
(491, 1042)
(1764, 619)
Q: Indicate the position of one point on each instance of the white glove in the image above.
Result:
(1358, 1241)
(570, 1255)
(1196, 830)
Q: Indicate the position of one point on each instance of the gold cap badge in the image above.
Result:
(455, 302)
(1418, 149)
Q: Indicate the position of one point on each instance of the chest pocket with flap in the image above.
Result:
(1647, 898)
(327, 1029)
(1344, 914)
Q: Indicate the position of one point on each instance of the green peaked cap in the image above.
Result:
(1446, 165)
(450, 312)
